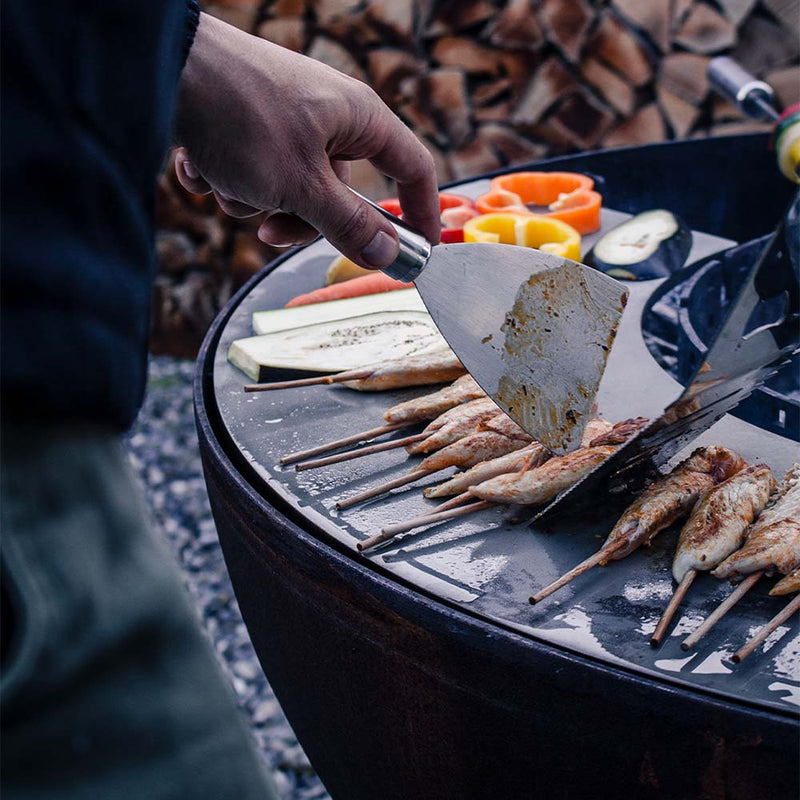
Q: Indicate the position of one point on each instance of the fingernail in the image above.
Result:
(191, 170)
(381, 251)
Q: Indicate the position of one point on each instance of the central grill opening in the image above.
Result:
(685, 313)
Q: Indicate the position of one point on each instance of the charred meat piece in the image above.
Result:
(619, 433)
(537, 486)
(430, 406)
(718, 523)
(668, 499)
(422, 370)
(595, 427)
(773, 541)
(529, 457)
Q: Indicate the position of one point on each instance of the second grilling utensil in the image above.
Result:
(743, 355)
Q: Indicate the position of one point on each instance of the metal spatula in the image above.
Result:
(533, 329)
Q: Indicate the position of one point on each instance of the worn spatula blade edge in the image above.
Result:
(537, 339)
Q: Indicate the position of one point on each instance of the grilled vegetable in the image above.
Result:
(653, 244)
(338, 345)
(367, 284)
(282, 319)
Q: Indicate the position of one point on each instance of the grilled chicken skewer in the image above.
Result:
(465, 451)
(546, 482)
(455, 424)
(445, 429)
(422, 370)
(545, 479)
(531, 456)
(497, 436)
(788, 584)
(430, 406)
(772, 544)
(715, 529)
(401, 415)
(792, 607)
(541, 483)
(718, 523)
(537, 486)
(619, 433)
(659, 506)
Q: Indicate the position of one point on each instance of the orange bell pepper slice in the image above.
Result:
(547, 234)
(569, 196)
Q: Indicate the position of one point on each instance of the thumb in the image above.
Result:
(355, 229)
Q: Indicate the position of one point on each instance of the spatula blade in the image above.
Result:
(533, 329)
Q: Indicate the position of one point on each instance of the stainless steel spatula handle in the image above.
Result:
(415, 249)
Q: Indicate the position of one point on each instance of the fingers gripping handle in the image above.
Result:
(415, 249)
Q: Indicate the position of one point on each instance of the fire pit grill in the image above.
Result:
(433, 636)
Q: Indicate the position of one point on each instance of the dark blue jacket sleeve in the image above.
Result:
(88, 92)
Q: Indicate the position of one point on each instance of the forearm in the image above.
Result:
(269, 129)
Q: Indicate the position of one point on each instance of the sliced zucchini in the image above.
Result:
(653, 244)
(281, 319)
(337, 345)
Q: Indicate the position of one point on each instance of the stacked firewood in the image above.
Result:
(486, 84)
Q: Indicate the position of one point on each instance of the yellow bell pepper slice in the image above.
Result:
(526, 230)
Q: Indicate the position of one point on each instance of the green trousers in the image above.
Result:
(109, 690)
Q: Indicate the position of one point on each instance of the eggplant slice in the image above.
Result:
(653, 244)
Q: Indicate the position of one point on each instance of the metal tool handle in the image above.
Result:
(752, 96)
(415, 249)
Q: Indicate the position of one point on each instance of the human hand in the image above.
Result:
(270, 131)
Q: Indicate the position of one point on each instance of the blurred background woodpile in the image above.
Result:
(484, 84)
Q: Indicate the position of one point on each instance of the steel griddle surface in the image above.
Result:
(488, 566)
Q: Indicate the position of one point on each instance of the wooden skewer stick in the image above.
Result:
(601, 555)
(360, 451)
(339, 377)
(382, 488)
(364, 436)
(453, 502)
(721, 610)
(672, 607)
(390, 531)
(790, 608)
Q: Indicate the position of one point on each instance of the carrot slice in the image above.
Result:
(367, 284)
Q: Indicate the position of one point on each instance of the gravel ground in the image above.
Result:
(163, 450)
